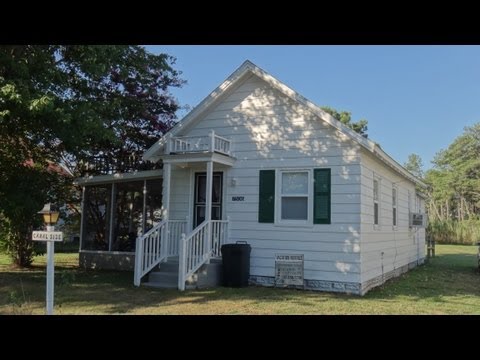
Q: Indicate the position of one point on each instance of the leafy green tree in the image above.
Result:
(345, 117)
(77, 105)
(414, 164)
(460, 166)
(455, 179)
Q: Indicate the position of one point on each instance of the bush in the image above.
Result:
(455, 232)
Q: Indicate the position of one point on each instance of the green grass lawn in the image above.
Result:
(448, 284)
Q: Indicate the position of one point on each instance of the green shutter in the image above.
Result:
(321, 198)
(266, 201)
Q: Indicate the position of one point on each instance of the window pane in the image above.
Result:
(201, 188)
(394, 216)
(216, 214)
(200, 214)
(375, 213)
(375, 189)
(394, 197)
(217, 189)
(295, 183)
(294, 208)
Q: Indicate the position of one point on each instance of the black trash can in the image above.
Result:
(236, 264)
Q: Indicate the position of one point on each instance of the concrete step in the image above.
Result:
(168, 267)
(160, 285)
(167, 277)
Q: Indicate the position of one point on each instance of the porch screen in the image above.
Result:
(127, 224)
(97, 217)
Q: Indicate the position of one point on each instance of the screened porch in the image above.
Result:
(116, 210)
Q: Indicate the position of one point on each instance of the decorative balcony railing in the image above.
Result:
(210, 143)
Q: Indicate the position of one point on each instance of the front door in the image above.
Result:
(199, 203)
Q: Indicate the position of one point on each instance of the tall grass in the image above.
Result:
(455, 232)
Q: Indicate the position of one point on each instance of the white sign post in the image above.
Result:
(50, 236)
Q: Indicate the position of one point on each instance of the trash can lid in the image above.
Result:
(236, 246)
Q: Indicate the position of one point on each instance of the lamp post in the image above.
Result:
(50, 217)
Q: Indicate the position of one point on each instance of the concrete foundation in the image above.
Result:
(107, 260)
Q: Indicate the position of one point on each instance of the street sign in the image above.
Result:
(47, 236)
(50, 237)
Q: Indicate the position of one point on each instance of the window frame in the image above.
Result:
(279, 195)
(394, 207)
(377, 201)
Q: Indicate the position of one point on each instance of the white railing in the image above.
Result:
(194, 251)
(175, 230)
(219, 236)
(149, 251)
(155, 246)
(197, 247)
(221, 145)
(181, 145)
(211, 143)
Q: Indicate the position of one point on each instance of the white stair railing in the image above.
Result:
(219, 235)
(194, 251)
(175, 230)
(149, 251)
(196, 248)
(155, 246)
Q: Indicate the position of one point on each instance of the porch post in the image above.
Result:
(167, 174)
(168, 145)
(167, 170)
(82, 219)
(208, 205)
(144, 209)
(111, 216)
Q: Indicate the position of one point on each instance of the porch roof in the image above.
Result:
(119, 177)
(197, 157)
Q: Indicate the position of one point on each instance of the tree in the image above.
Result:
(455, 178)
(460, 164)
(414, 164)
(75, 105)
(345, 118)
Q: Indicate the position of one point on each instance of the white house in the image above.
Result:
(257, 162)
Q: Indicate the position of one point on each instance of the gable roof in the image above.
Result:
(248, 68)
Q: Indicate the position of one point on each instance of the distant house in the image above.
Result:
(257, 162)
(52, 167)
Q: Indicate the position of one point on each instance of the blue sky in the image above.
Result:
(416, 99)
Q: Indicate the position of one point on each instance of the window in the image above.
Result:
(376, 193)
(394, 207)
(409, 202)
(294, 195)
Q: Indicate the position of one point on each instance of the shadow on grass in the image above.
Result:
(445, 276)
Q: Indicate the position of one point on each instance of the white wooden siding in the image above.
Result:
(180, 193)
(270, 131)
(399, 247)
